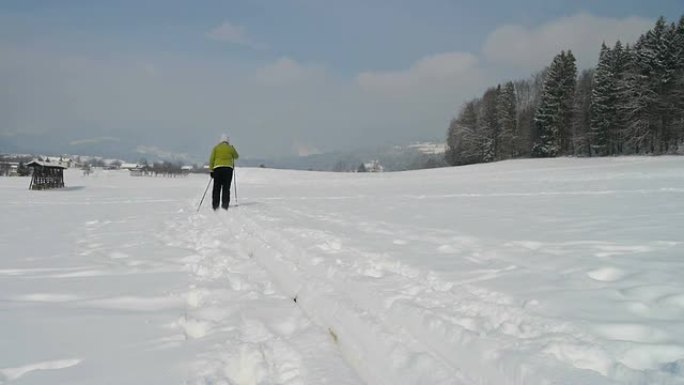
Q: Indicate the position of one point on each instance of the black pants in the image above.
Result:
(223, 176)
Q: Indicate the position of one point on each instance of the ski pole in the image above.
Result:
(205, 193)
(235, 183)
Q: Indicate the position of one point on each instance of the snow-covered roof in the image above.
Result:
(34, 163)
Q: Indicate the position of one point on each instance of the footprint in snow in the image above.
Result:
(195, 297)
(372, 272)
(194, 328)
(331, 246)
(606, 274)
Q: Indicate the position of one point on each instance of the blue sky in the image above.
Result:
(281, 77)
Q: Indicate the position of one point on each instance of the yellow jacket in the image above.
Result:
(223, 155)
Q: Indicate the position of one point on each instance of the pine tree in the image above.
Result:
(464, 140)
(507, 121)
(636, 100)
(468, 117)
(678, 94)
(489, 125)
(667, 98)
(602, 104)
(528, 96)
(655, 84)
(633, 102)
(569, 85)
(581, 135)
(620, 67)
(451, 154)
(546, 117)
(654, 62)
(554, 114)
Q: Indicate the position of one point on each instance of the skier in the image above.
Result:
(221, 164)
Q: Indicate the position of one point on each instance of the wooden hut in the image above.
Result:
(46, 175)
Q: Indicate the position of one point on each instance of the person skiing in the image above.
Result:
(221, 164)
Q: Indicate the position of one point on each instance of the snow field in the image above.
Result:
(493, 330)
(557, 271)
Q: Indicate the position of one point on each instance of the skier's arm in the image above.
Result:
(212, 159)
(235, 153)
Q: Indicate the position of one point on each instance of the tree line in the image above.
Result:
(631, 103)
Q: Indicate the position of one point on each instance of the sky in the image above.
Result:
(281, 77)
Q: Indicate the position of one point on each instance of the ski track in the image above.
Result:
(395, 323)
(432, 343)
(268, 339)
(409, 317)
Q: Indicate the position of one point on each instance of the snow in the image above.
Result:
(15, 373)
(558, 271)
(430, 148)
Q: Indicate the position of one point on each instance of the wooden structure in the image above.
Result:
(137, 171)
(46, 175)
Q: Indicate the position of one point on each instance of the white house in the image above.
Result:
(374, 166)
(129, 166)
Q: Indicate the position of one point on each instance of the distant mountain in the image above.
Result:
(104, 147)
(392, 158)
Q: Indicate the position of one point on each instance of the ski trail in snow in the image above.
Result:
(357, 273)
(489, 336)
(406, 333)
(382, 352)
(384, 331)
(268, 340)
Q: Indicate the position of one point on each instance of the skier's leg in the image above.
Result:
(216, 192)
(228, 177)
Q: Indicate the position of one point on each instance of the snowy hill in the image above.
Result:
(559, 271)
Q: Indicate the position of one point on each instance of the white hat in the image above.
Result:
(224, 138)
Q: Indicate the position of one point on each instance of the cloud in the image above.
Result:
(234, 34)
(428, 75)
(89, 141)
(302, 149)
(266, 106)
(533, 48)
(162, 154)
(286, 71)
